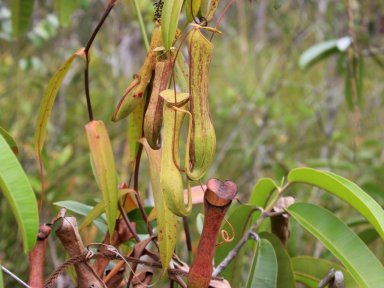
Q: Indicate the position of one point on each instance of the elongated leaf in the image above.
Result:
(11, 142)
(170, 20)
(364, 267)
(48, 100)
(64, 10)
(102, 155)
(315, 269)
(345, 190)
(238, 219)
(166, 220)
(285, 276)
(21, 15)
(264, 267)
(18, 191)
(322, 50)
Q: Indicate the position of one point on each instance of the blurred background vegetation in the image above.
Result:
(270, 115)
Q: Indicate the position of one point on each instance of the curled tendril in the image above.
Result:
(225, 235)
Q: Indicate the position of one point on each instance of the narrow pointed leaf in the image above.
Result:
(21, 15)
(264, 267)
(345, 190)
(315, 269)
(18, 191)
(166, 220)
(11, 142)
(322, 50)
(170, 20)
(49, 97)
(285, 276)
(342, 242)
(102, 155)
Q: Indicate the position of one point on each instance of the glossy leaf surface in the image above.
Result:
(364, 267)
(264, 267)
(345, 190)
(18, 191)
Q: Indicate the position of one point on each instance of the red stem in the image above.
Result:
(217, 200)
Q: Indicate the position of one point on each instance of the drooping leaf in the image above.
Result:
(314, 269)
(322, 50)
(21, 16)
(18, 191)
(285, 276)
(263, 272)
(64, 10)
(342, 242)
(102, 155)
(238, 217)
(11, 142)
(345, 190)
(49, 97)
(166, 220)
(170, 20)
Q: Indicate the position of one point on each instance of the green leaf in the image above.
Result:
(104, 163)
(16, 188)
(11, 142)
(166, 220)
(64, 10)
(21, 16)
(345, 190)
(238, 219)
(170, 20)
(285, 277)
(264, 267)
(49, 97)
(314, 269)
(364, 267)
(322, 50)
(261, 194)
